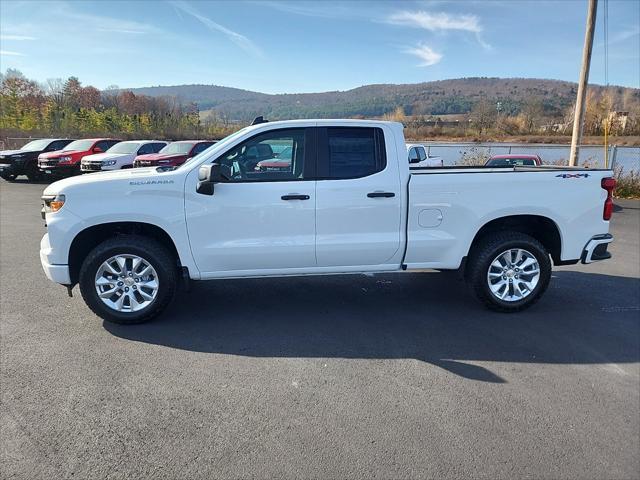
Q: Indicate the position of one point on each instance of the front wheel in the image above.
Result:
(509, 271)
(128, 279)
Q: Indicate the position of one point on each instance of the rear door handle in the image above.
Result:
(381, 194)
(294, 196)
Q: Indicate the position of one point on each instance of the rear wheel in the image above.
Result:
(9, 177)
(509, 271)
(128, 279)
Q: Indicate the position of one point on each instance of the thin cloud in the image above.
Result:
(121, 30)
(9, 53)
(311, 9)
(106, 23)
(622, 36)
(436, 21)
(440, 22)
(17, 38)
(425, 53)
(237, 38)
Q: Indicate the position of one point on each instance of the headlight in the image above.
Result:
(164, 161)
(108, 163)
(64, 159)
(52, 203)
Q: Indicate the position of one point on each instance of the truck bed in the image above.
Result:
(446, 211)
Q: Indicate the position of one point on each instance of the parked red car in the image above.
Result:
(514, 159)
(174, 154)
(66, 162)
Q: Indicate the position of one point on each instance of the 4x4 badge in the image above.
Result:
(573, 175)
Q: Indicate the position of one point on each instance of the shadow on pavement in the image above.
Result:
(583, 319)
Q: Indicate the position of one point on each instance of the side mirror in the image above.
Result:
(96, 150)
(208, 175)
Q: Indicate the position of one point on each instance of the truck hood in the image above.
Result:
(105, 156)
(4, 153)
(120, 178)
(160, 156)
(60, 153)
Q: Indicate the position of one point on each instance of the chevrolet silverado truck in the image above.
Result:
(173, 155)
(120, 155)
(25, 161)
(66, 162)
(348, 203)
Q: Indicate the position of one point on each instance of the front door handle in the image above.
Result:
(294, 196)
(381, 194)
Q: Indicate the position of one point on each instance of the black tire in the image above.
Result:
(33, 173)
(9, 177)
(487, 250)
(157, 255)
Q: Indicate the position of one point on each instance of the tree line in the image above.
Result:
(66, 108)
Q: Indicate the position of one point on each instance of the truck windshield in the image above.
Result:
(177, 147)
(36, 145)
(125, 147)
(79, 145)
(222, 143)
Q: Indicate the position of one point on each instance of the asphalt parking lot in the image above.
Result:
(385, 376)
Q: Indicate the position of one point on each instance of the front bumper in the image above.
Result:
(59, 170)
(56, 273)
(596, 249)
(91, 167)
(10, 169)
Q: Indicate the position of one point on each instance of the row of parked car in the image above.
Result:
(59, 157)
(66, 157)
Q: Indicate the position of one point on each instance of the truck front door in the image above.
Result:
(263, 218)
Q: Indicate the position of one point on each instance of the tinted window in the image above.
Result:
(413, 154)
(509, 162)
(201, 147)
(105, 145)
(58, 145)
(423, 154)
(257, 159)
(156, 147)
(351, 152)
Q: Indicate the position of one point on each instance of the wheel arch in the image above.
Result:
(87, 239)
(542, 228)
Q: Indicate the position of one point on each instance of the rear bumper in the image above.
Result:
(596, 249)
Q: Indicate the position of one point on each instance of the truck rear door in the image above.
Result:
(358, 198)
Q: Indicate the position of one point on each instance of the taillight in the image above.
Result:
(609, 184)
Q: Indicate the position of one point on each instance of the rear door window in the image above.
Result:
(350, 152)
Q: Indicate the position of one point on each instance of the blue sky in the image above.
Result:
(285, 46)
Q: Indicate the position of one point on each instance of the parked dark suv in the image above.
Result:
(25, 160)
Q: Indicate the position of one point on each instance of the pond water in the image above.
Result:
(592, 155)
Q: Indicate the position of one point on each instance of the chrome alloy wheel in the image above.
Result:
(513, 275)
(126, 283)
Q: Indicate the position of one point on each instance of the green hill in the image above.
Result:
(441, 97)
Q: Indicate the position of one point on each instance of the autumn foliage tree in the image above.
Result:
(66, 108)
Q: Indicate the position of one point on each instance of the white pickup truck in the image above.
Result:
(348, 203)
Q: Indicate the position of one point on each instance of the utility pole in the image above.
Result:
(578, 119)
